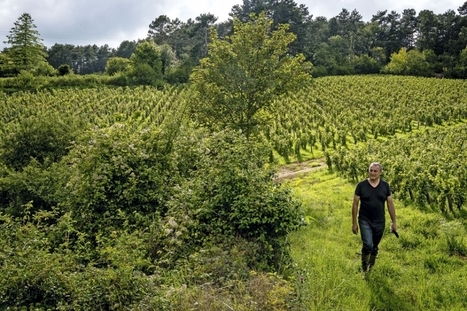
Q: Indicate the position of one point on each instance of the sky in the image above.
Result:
(83, 22)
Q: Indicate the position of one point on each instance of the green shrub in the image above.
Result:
(45, 137)
(230, 193)
(118, 173)
(64, 70)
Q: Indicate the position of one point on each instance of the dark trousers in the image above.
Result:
(371, 234)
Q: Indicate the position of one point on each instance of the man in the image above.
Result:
(372, 193)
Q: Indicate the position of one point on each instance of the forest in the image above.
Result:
(408, 42)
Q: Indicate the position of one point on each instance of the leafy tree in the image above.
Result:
(126, 49)
(365, 64)
(27, 50)
(200, 34)
(398, 63)
(332, 57)
(417, 64)
(237, 83)
(146, 64)
(162, 29)
(61, 54)
(412, 62)
(281, 12)
(168, 58)
(116, 64)
(463, 9)
(388, 35)
(461, 67)
(427, 30)
(408, 28)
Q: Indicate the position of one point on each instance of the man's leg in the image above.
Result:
(367, 240)
(378, 231)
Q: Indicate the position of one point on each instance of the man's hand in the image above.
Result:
(393, 227)
(355, 228)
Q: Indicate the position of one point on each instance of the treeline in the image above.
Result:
(422, 43)
(408, 42)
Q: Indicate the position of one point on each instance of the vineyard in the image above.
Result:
(413, 125)
(111, 200)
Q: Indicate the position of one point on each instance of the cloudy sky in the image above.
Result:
(83, 22)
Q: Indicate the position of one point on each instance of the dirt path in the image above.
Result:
(292, 170)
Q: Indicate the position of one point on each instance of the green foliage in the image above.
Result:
(116, 64)
(237, 83)
(45, 137)
(365, 64)
(398, 63)
(412, 62)
(26, 51)
(29, 150)
(146, 65)
(145, 212)
(231, 194)
(64, 70)
(37, 278)
(118, 174)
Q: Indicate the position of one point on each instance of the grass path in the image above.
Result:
(423, 270)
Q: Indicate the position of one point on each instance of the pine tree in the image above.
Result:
(27, 51)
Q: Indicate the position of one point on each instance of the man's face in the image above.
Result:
(375, 172)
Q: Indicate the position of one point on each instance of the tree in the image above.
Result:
(408, 24)
(116, 64)
(412, 62)
(281, 12)
(60, 54)
(235, 86)
(162, 28)
(27, 51)
(389, 34)
(398, 63)
(126, 49)
(146, 64)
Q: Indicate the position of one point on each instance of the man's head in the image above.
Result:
(375, 170)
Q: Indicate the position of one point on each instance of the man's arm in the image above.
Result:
(356, 199)
(392, 213)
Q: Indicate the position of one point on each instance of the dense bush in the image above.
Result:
(114, 218)
(45, 137)
(118, 175)
(229, 193)
(30, 149)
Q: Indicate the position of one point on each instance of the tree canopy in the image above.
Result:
(235, 86)
(27, 51)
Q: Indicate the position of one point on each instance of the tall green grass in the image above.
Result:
(425, 269)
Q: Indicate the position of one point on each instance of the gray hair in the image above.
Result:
(376, 164)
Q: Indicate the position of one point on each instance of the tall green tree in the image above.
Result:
(27, 51)
(146, 64)
(235, 86)
(281, 12)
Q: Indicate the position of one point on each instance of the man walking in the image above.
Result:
(372, 193)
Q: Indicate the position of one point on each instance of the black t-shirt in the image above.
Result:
(372, 200)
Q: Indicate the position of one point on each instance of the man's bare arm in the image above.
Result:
(356, 199)
(392, 213)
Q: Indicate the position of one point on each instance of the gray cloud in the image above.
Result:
(83, 22)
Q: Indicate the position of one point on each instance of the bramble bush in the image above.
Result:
(125, 214)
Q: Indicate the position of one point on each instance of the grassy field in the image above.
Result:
(425, 269)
